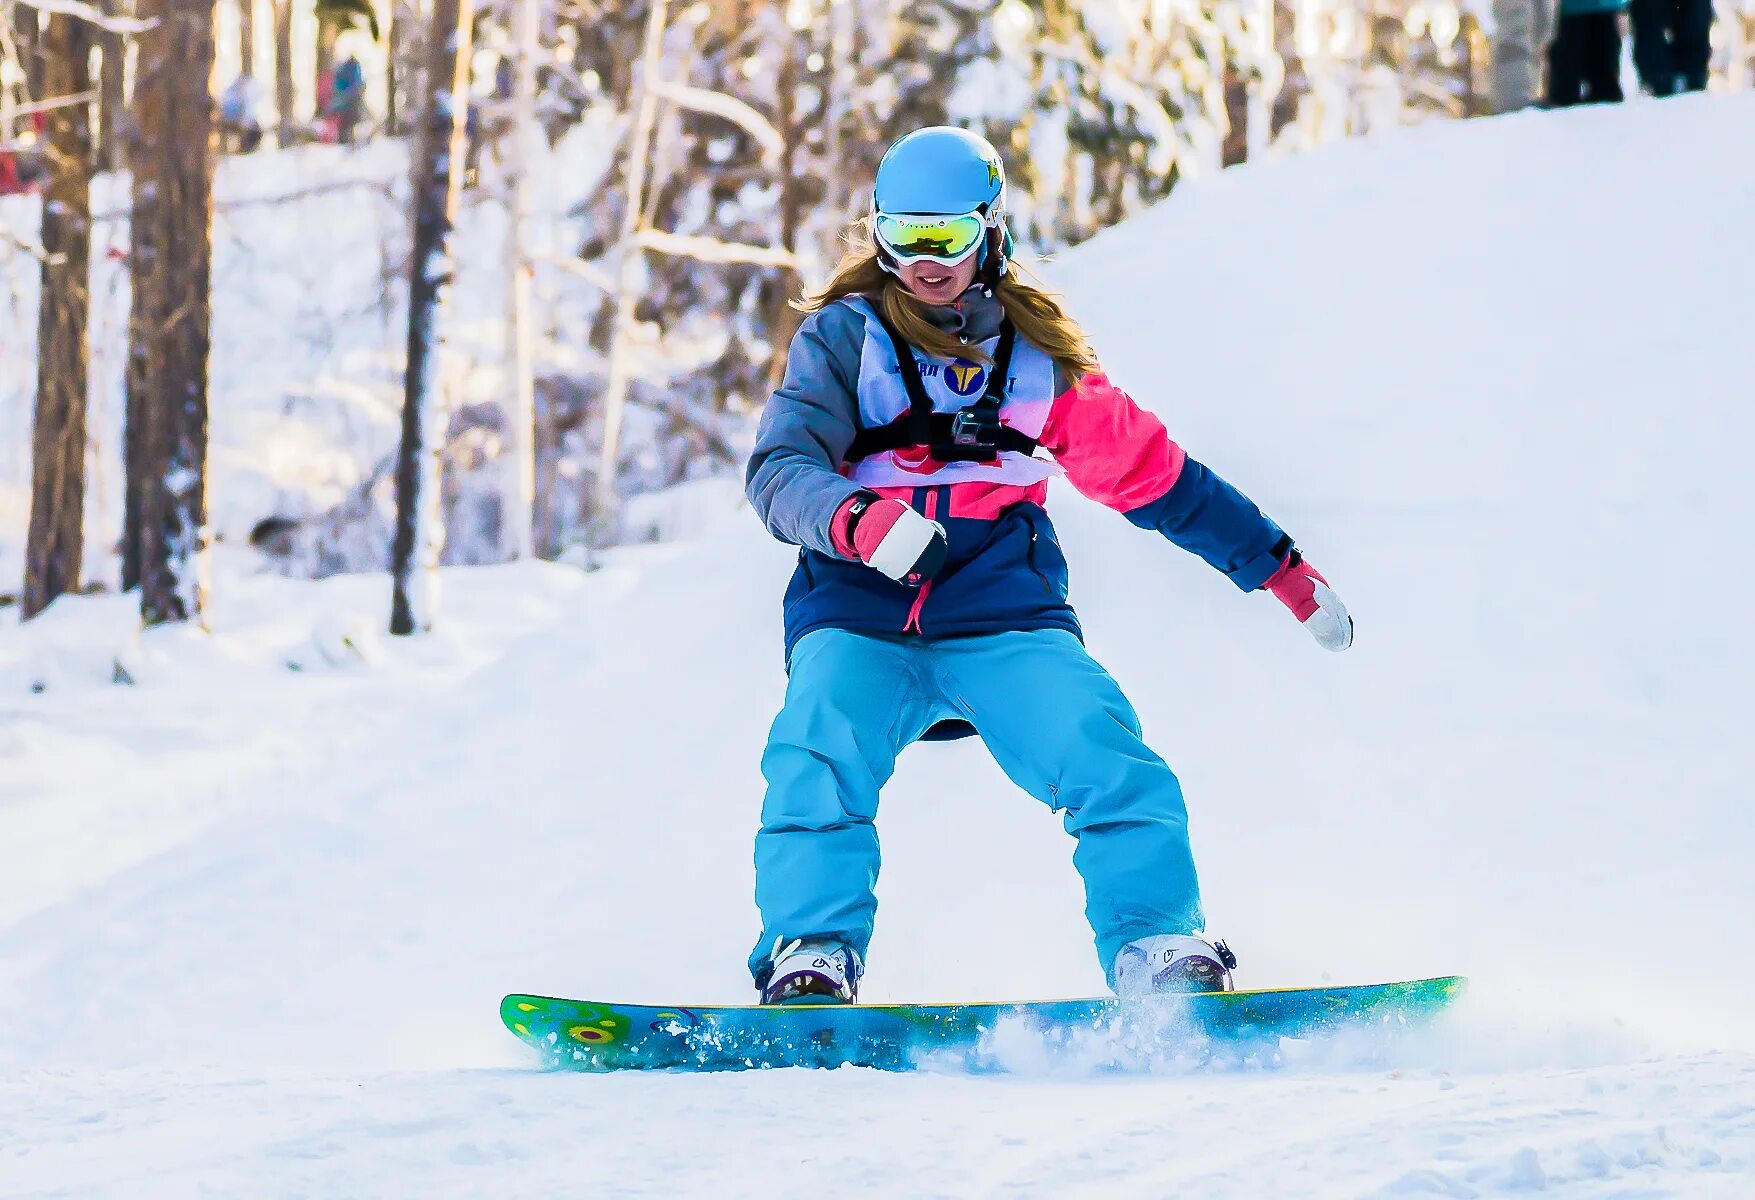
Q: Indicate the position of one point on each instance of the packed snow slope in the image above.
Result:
(254, 921)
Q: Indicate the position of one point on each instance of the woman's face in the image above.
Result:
(936, 283)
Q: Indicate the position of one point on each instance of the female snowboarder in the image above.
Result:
(900, 454)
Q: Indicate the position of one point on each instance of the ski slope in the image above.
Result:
(254, 922)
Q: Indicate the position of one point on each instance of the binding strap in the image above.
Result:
(972, 434)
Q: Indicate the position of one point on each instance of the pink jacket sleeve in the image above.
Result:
(1112, 450)
(1118, 454)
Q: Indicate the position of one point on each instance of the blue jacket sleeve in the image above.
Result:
(792, 478)
(1207, 516)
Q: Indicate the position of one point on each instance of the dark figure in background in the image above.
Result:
(473, 135)
(1672, 41)
(1584, 59)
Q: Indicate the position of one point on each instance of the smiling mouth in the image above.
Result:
(934, 281)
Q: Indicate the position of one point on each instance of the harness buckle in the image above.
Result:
(968, 428)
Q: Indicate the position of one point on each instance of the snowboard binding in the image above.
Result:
(812, 972)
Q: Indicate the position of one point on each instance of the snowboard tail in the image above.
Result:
(588, 1036)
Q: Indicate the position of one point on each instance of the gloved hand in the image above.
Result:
(891, 537)
(1301, 588)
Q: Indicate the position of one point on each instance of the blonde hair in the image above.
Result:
(1034, 312)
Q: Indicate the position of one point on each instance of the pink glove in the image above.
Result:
(1301, 588)
(889, 536)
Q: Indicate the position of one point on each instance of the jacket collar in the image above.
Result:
(974, 316)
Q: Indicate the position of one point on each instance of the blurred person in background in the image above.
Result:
(240, 115)
(1584, 61)
(1672, 44)
(347, 98)
(1521, 33)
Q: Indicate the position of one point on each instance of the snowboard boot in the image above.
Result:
(1172, 962)
(812, 971)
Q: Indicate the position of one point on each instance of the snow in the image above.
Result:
(254, 921)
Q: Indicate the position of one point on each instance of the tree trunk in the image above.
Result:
(283, 70)
(323, 64)
(438, 176)
(783, 319)
(247, 38)
(144, 305)
(56, 541)
(134, 402)
(28, 28)
(176, 129)
(394, 36)
(518, 492)
(631, 259)
(112, 92)
(1235, 148)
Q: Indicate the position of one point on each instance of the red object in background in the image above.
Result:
(14, 180)
(12, 177)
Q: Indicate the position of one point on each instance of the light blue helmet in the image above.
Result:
(940, 169)
(948, 171)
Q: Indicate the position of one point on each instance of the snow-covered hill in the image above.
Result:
(254, 921)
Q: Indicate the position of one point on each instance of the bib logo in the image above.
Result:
(966, 378)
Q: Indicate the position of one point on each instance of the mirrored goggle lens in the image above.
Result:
(947, 238)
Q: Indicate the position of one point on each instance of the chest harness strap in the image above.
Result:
(971, 434)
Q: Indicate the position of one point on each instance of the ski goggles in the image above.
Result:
(910, 238)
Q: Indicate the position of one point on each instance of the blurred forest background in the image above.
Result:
(227, 231)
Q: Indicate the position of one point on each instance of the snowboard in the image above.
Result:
(1098, 1032)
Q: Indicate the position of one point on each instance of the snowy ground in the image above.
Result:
(254, 921)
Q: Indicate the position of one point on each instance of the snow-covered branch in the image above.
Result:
(731, 108)
(35, 251)
(712, 250)
(85, 12)
(584, 270)
(37, 106)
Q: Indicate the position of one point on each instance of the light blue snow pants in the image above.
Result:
(1053, 718)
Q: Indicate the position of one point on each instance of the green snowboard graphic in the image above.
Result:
(586, 1036)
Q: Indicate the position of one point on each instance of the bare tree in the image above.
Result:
(56, 539)
(112, 93)
(175, 157)
(615, 391)
(402, 16)
(639, 235)
(143, 167)
(284, 98)
(438, 176)
(247, 38)
(518, 493)
(27, 24)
